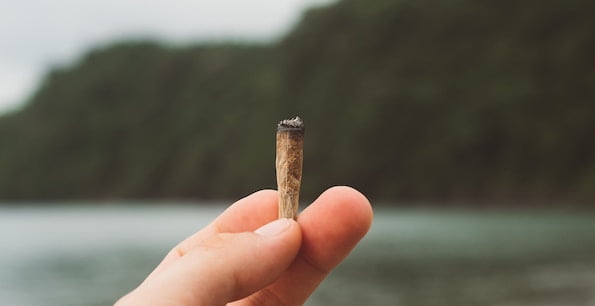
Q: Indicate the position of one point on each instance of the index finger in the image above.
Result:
(247, 214)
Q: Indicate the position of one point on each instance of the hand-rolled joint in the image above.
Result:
(289, 160)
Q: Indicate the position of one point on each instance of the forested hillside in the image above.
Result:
(468, 100)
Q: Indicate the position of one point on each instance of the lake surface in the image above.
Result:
(91, 255)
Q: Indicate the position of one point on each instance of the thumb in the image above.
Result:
(223, 268)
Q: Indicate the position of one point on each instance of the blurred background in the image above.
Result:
(470, 124)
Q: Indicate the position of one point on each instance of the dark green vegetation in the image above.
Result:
(406, 100)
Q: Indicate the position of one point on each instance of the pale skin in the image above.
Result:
(248, 257)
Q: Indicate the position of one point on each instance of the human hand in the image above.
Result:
(247, 257)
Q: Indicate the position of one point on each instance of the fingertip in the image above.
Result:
(351, 203)
(249, 213)
(333, 224)
(351, 195)
(267, 195)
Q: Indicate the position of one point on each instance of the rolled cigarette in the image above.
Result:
(290, 147)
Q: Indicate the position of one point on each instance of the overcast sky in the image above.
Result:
(35, 34)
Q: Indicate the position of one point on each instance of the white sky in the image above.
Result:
(36, 34)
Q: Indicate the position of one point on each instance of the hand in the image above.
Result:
(247, 257)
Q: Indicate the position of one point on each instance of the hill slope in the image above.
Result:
(408, 100)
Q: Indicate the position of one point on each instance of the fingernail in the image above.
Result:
(274, 228)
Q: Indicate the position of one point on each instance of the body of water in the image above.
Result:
(92, 255)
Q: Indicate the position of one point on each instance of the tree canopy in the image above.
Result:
(406, 100)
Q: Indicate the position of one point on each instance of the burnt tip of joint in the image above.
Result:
(291, 124)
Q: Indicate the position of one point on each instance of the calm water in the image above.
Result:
(92, 255)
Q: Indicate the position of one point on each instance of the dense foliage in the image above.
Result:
(406, 100)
